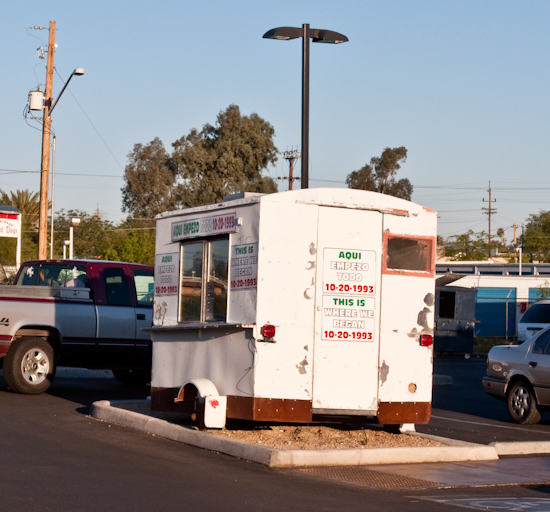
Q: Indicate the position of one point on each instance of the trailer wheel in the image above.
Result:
(29, 366)
(198, 416)
(522, 404)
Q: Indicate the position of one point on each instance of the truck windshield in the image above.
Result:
(53, 274)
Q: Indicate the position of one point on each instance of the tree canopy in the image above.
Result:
(535, 239)
(150, 177)
(469, 246)
(205, 165)
(379, 175)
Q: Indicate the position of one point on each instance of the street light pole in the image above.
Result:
(305, 106)
(318, 36)
(46, 137)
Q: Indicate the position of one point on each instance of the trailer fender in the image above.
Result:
(213, 405)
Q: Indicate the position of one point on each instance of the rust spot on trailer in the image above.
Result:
(429, 299)
(302, 366)
(423, 319)
(312, 249)
(384, 370)
(308, 292)
(310, 265)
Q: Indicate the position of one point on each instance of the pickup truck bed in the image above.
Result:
(83, 313)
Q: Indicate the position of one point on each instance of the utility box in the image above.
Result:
(296, 305)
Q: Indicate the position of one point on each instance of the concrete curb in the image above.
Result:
(522, 447)
(454, 451)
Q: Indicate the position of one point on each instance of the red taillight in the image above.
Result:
(268, 331)
(426, 340)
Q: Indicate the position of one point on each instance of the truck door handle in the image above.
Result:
(141, 316)
(532, 364)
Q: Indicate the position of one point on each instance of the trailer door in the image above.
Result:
(345, 369)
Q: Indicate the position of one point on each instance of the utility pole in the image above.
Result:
(291, 156)
(46, 133)
(515, 243)
(489, 211)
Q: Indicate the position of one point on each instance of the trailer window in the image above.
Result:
(203, 283)
(408, 254)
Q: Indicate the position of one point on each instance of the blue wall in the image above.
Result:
(491, 306)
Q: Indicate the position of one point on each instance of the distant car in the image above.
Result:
(520, 374)
(536, 318)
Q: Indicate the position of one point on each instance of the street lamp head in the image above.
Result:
(78, 71)
(283, 33)
(328, 36)
(75, 221)
(318, 35)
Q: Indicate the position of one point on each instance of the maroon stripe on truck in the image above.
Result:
(5, 337)
(27, 299)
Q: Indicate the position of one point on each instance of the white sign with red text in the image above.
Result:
(10, 226)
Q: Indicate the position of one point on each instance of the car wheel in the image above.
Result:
(29, 366)
(522, 404)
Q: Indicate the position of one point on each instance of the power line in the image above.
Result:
(14, 171)
(93, 126)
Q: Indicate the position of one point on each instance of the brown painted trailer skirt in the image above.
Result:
(291, 411)
(396, 413)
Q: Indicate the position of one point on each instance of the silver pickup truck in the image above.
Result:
(80, 313)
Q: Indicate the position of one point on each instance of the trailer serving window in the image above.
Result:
(203, 280)
(408, 255)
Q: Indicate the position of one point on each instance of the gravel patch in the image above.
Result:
(294, 437)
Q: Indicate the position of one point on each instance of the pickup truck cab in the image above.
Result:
(79, 313)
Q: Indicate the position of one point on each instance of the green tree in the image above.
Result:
(28, 203)
(225, 158)
(150, 178)
(468, 246)
(535, 239)
(133, 241)
(379, 175)
(91, 238)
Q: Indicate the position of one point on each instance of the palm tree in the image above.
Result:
(27, 202)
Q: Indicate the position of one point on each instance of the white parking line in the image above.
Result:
(521, 429)
(498, 504)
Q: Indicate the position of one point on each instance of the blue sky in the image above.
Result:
(463, 85)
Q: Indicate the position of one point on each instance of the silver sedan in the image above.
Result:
(520, 374)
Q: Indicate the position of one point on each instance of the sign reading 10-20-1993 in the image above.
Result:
(349, 286)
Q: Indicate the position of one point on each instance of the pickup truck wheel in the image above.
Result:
(29, 366)
(135, 377)
(522, 404)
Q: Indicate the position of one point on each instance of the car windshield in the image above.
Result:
(537, 314)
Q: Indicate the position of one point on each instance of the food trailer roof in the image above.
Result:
(334, 197)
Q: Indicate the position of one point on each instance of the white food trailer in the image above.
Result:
(295, 305)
